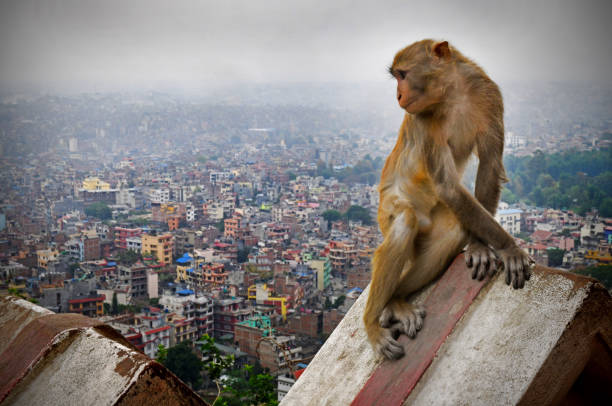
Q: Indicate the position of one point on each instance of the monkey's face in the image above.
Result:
(417, 72)
(414, 91)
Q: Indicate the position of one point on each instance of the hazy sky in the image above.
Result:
(104, 44)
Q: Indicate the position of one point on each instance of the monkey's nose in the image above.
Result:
(399, 96)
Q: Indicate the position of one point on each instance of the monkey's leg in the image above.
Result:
(434, 251)
(389, 260)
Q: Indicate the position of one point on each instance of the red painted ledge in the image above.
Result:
(392, 381)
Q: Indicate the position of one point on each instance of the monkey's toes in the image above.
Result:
(411, 321)
(388, 346)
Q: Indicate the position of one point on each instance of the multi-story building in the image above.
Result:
(227, 313)
(510, 220)
(122, 234)
(159, 245)
(274, 352)
(92, 306)
(45, 256)
(134, 280)
(160, 195)
(198, 309)
(322, 267)
(95, 184)
(134, 244)
(341, 255)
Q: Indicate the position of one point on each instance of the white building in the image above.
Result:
(133, 243)
(510, 220)
(160, 195)
(190, 306)
(285, 383)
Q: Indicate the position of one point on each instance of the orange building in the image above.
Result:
(160, 246)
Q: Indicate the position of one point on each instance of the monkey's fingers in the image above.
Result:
(529, 265)
(493, 265)
(386, 318)
(475, 264)
(519, 282)
(508, 273)
(388, 346)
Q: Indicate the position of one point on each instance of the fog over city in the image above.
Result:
(85, 45)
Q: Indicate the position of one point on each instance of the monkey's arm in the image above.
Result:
(491, 174)
(474, 217)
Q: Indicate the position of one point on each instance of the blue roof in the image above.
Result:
(185, 292)
(356, 289)
(112, 263)
(185, 258)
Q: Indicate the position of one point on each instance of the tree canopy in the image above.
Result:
(99, 210)
(565, 180)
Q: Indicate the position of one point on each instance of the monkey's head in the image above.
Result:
(421, 70)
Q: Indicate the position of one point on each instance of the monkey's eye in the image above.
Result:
(401, 74)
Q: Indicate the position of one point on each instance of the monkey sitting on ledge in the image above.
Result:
(453, 109)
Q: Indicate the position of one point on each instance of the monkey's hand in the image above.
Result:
(481, 258)
(517, 265)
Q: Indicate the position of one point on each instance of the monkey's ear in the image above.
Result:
(441, 50)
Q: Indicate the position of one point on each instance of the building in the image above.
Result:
(322, 267)
(341, 255)
(227, 313)
(510, 220)
(198, 309)
(44, 256)
(160, 246)
(275, 352)
(90, 184)
(133, 280)
(92, 306)
(122, 234)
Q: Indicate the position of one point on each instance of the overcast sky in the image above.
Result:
(100, 45)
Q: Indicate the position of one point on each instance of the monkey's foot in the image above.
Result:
(481, 258)
(384, 341)
(403, 317)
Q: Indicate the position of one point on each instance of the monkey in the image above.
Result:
(426, 216)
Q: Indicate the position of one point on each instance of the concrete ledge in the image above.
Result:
(69, 359)
(528, 346)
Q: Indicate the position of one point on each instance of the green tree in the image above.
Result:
(162, 354)
(115, 304)
(331, 215)
(182, 361)
(358, 213)
(99, 210)
(339, 302)
(215, 363)
(601, 272)
(555, 257)
(243, 255)
(248, 387)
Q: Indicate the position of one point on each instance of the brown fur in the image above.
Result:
(425, 214)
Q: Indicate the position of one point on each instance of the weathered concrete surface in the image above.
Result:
(494, 354)
(510, 347)
(69, 359)
(342, 366)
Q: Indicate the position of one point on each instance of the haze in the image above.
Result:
(113, 45)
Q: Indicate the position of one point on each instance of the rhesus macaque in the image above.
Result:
(453, 109)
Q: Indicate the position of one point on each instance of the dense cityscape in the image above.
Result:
(249, 220)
